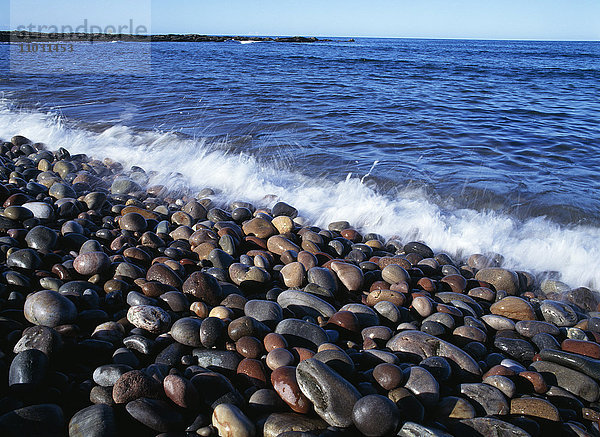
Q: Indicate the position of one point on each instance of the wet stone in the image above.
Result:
(529, 328)
(349, 275)
(545, 341)
(230, 421)
(277, 424)
(332, 396)
(520, 350)
(212, 331)
(502, 383)
(41, 238)
(204, 287)
(575, 382)
(501, 279)
(91, 263)
(217, 360)
(514, 308)
(305, 304)
(264, 311)
(558, 313)
(487, 398)
(26, 259)
(286, 385)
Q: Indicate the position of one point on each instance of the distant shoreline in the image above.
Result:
(30, 37)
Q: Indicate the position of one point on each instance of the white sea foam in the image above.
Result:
(536, 245)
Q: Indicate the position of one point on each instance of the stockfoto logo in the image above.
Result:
(65, 31)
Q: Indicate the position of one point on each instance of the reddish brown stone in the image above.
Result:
(301, 353)
(499, 370)
(346, 320)
(513, 307)
(285, 384)
(136, 384)
(274, 341)
(535, 380)
(252, 372)
(581, 347)
(388, 376)
(455, 283)
(352, 235)
(427, 284)
(249, 347)
(164, 274)
(181, 391)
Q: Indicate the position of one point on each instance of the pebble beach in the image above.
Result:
(128, 309)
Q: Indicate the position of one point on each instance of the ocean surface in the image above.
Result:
(469, 146)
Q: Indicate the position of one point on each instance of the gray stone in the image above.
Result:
(332, 396)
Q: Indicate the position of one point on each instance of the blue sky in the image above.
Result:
(481, 19)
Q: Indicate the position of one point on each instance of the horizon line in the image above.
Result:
(465, 38)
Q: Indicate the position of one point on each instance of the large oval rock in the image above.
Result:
(35, 420)
(501, 279)
(163, 274)
(350, 275)
(575, 382)
(187, 331)
(27, 259)
(205, 287)
(301, 333)
(425, 345)
(93, 421)
(305, 304)
(332, 396)
(49, 308)
(513, 307)
(155, 414)
(41, 238)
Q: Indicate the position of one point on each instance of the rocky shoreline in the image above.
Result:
(32, 37)
(130, 310)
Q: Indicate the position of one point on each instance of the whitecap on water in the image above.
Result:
(536, 245)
